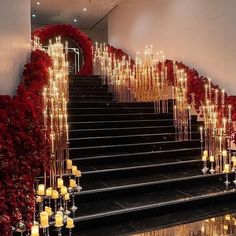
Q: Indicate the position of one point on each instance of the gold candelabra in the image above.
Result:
(216, 136)
(182, 110)
(144, 80)
(61, 178)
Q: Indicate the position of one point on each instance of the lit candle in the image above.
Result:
(175, 114)
(234, 161)
(58, 219)
(224, 153)
(49, 192)
(216, 96)
(67, 133)
(226, 168)
(226, 227)
(44, 219)
(78, 173)
(212, 159)
(55, 194)
(206, 91)
(60, 182)
(224, 124)
(69, 164)
(201, 132)
(204, 158)
(223, 97)
(72, 183)
(39, 199)
(67, 197)
(52, 139)
(230, 112)
(41, 189)
(70, 223)
(64, 190)
(48, 210)
(74, 169)
(209, 84)
(205, 153)
(34, 230)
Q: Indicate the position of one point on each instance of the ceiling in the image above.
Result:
(45, 12)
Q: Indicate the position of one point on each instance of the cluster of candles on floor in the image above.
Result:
(182, 110)
(216, 136)
(58, 170)
(142, 80)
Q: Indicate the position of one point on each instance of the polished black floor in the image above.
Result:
(212, 220)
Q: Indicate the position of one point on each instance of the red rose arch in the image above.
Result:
(80, 39)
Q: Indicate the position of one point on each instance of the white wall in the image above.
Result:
(201, 33)
(15, 31)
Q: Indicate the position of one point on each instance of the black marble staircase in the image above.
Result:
(131, 165)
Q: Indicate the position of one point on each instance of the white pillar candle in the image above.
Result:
(35, 230)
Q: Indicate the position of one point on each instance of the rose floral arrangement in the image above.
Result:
(79, 38)
(22, 143)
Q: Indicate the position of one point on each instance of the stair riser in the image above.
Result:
(138, 171)
(76, 111)
(138, 157)
(105, 131)
(115, 117)
(124, 140)
(78, 104)
(133, 148)
(92, 99)
(155, 211)
(85, 87)
(90, 91)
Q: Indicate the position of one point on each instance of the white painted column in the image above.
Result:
(15, 46)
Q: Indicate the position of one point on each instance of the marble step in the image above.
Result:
(125, 173)
(188, 195)
(124, 139)
(124, 158)
(127, 125)
(116, 110)
(79, 104)
(114, 117)
(133, 148)
(82, 129)
(170, 176)
(74, 87)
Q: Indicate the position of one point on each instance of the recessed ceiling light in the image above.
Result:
(75, 20)
(38, 3)
(34, 15)
(85, 9)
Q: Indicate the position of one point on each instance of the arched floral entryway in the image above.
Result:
(79, 39)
